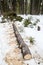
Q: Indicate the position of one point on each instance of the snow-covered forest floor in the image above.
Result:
(31, 32)
(32, 36)
(9, 51)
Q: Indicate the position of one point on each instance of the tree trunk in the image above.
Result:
(35, 8)
(30, 6)
(14, 5)
(25, 6)
(24, 48)
(42, 6)
(21, 3)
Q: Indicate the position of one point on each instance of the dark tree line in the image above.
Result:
(6, 5)
(36, 7)
(22, 6)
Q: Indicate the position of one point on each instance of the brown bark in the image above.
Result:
(24, 48)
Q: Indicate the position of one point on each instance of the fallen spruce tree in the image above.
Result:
(24, 48)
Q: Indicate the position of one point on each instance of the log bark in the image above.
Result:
(24, 48)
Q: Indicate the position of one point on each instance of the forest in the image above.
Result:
(22, 6)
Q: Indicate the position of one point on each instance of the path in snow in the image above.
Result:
(10, 54)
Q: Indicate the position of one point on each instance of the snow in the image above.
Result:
(4, 47)
(33, 31)
(38, 35)
(4, 41)
(37, 48)
(26, 32)
(30, 62)
(1, 18)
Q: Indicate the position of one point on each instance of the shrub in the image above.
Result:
(31, 40)
(27, 22)
(11, 18)
(19, 18)
(11, 15)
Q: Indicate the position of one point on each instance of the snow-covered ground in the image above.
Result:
(26, 32)
(3, 43)
(6, 40)
(8, 44)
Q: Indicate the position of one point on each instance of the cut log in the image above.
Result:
(26, 52)
(24, 48)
